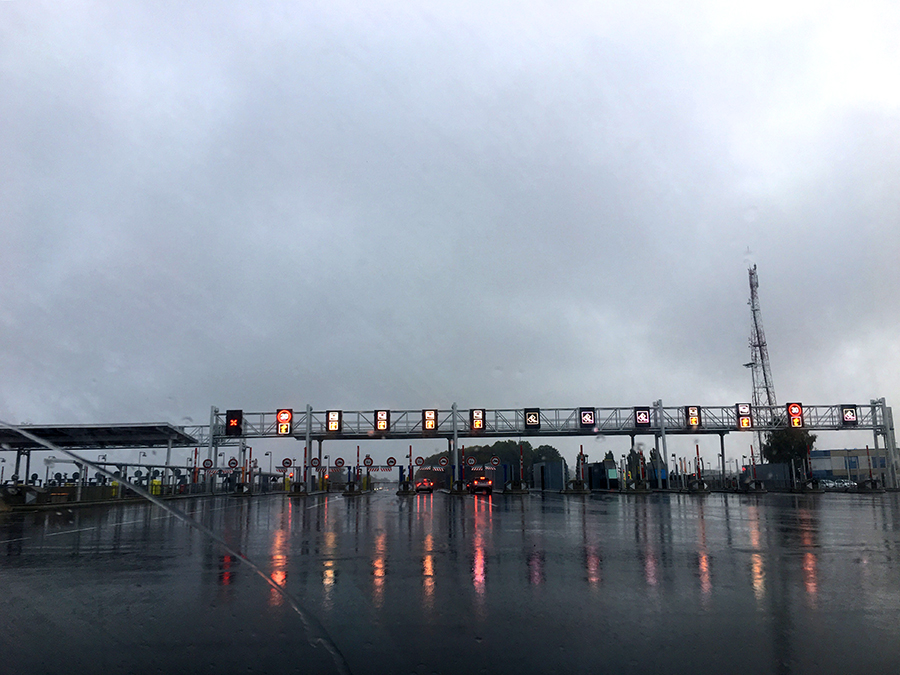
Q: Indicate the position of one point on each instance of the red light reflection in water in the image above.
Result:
(592, 562)
(379, 569)
(536, 568)
(226, 573)
(651, 571)
(479, 565)
(483, 518)
(275, 598)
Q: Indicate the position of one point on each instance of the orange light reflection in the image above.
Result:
(379, 570)
(428, 572)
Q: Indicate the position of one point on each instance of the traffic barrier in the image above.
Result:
(515, 487)
(575, 487)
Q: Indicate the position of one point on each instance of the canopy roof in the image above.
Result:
(98, 436)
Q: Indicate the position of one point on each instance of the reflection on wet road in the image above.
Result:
(441, 584)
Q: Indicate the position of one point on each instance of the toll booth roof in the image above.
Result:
(99, 436)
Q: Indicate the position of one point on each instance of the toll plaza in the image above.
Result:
(455, 425)
(242, 474)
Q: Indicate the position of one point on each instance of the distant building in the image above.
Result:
(851, 463)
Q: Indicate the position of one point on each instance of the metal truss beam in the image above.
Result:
(505, 423)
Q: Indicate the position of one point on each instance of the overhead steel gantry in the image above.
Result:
(504, 423)
(236, 426)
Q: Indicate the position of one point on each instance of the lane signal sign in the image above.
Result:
(744, 414)
(382, 420)
(588, 417)
(334, 420)
(849, 416)
(234, 422)
(795, 415)
(532, 418)
(476, 420)
(642, 417)
(429, 421)
(284, 421)
(693, 417)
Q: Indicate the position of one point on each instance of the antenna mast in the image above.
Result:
(763, 387)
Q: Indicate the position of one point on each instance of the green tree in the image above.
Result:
(783, 445)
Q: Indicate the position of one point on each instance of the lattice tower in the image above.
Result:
(763, 387)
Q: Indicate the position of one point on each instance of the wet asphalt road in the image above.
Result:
(439, 584)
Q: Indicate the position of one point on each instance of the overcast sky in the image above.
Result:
(405, 204)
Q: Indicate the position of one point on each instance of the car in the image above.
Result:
(425, 485)
(480, 484)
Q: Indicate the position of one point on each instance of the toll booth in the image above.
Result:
(603, 475)
(657, 476)
(550, 475)
(772, 476)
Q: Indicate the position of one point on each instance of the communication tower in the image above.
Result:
(763, 387)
